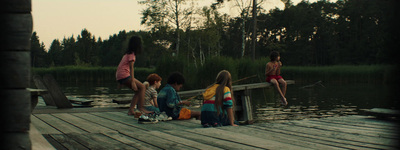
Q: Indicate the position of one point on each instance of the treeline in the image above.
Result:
(321, 33)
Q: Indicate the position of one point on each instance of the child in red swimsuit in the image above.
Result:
(273, 71)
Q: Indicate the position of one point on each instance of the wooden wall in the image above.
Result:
(16, 30)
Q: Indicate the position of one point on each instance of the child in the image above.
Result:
(217, 107)
(125, 74)
(170, 102)
(273, 71)
(152, 83)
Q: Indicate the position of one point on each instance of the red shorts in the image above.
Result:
(276, 77)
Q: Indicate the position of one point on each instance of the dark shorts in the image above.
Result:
(122, 81)
(277, 77)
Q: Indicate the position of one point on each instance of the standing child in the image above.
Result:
(152, 83)
(170, 102)
(217, 107)
(125, 74)
(273, 71)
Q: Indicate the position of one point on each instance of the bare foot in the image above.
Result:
(284, 101)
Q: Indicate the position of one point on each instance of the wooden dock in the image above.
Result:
(92, 129)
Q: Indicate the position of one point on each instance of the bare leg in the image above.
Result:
(196, 114)
(276, 85)
(140, 96)
(283, 85)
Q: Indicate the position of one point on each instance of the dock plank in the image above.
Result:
(86, 125)
(332, 136)
(312, 138)
(184, 141)
(98, 141)
(243, 139)
(156, 140)
(82, 129)
(117, 126)
(352, 129)
(221, 143)
(59, 124)
(43, 127)
(62, 141)
(279, 137)
(131, 141)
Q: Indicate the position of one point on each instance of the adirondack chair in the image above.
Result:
(54, 97)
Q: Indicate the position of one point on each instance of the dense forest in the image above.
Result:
(351, 32)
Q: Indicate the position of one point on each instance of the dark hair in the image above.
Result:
(273, 55)
(177, 78)
(135, 45)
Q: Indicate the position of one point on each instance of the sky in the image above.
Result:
(56, 19)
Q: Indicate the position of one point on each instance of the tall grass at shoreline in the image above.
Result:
(88, 74)
(341, 73)
(200, 77)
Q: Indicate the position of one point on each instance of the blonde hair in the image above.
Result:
(224, 79)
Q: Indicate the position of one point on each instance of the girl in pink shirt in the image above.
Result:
(125, 74)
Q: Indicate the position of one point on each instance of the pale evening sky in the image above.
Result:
(56, 19)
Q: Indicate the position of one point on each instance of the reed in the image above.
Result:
(88, 74)
(202, 76)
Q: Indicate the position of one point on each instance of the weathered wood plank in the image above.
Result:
(279, 137)
(127, 120)
(155, 140)
(16, 6)
(183, 141)
(38, 141)
(18, 29)
(365, 120)
(43, 127)
(59, 124)
(15, 112)
(10, 76)
(354, 129)
(235, 88)
(344, 129)
(39, 83)
(98, 141)
(59, 98)
(363, 125)
(313, 138)
(243, 138)
(131, 141)
(117, 126)
(86, 125)
(335, 137)
(65, 142)
(221, 143)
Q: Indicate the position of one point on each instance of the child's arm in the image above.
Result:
(155, 102)
(230, 116)
(278, 71)
(131, 65)
(268, 69)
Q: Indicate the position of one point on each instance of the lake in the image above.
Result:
(318, 101)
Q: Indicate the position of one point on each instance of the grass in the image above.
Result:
(203, 76)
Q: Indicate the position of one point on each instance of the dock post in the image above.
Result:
(243, 109)
(16, 31)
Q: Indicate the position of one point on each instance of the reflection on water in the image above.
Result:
(314, 102)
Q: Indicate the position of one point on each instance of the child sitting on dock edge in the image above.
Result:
(273, 71)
